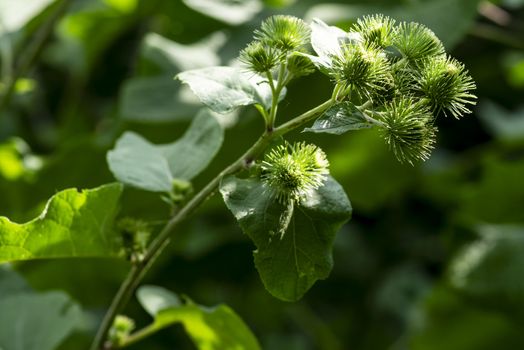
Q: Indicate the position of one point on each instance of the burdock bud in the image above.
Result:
(291, 171)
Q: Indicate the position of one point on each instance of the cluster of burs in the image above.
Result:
(397, 74)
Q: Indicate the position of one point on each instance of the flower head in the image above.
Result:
(446, 85)
(293, 170)
(260, 58)
(415, 41)
(408, 129)
(363, 68)
(286, 33)
(376, 29)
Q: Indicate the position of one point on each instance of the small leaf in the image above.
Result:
(230, 12)
(73, 224)
(224, 89)
(136, 162)
(290, 265)
(154, 299)
(216, 328)
(339, 119)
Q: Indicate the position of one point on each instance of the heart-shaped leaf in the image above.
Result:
(290, 265)
(137, 162)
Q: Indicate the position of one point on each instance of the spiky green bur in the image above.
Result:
(408, 129)
(446, 85)
(286, 33)
(260, 58)
(291, 171)
(376, 30)
(415, 41)
(362, 68)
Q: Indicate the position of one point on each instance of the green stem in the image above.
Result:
(138, 271)
(32, 52)
(276, 90)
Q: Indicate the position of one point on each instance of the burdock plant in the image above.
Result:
(393, 76)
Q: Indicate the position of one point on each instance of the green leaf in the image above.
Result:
(289, 266)
(154, 299)
(11, 283)
(339, 119)
(175, 57)
(136, 162)
(491, 268)
(224, 89)
(73, 224)
(156, 99)
(31, 321)
(230, 12)
(216, 328)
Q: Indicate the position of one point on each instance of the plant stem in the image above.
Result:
(138, 271)
(32, 52)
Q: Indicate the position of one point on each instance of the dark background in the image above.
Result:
(434, 255)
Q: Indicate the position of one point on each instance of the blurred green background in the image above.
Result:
(434, 255)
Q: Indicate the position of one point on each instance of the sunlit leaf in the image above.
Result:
(73, 224)
(135, 161)
(215, 328)
(339, 119)
(290, 265)
(223, 89)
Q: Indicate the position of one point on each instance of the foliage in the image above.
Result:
(431, 258)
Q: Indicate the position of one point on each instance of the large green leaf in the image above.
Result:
(156, 99)
(31, 321)
(216, 328)
(223, 89)
(172, 56)
(135, 161)
(73, 224)
(290, 265)
(339, 119)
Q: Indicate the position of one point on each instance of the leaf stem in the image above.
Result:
(139, 270)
